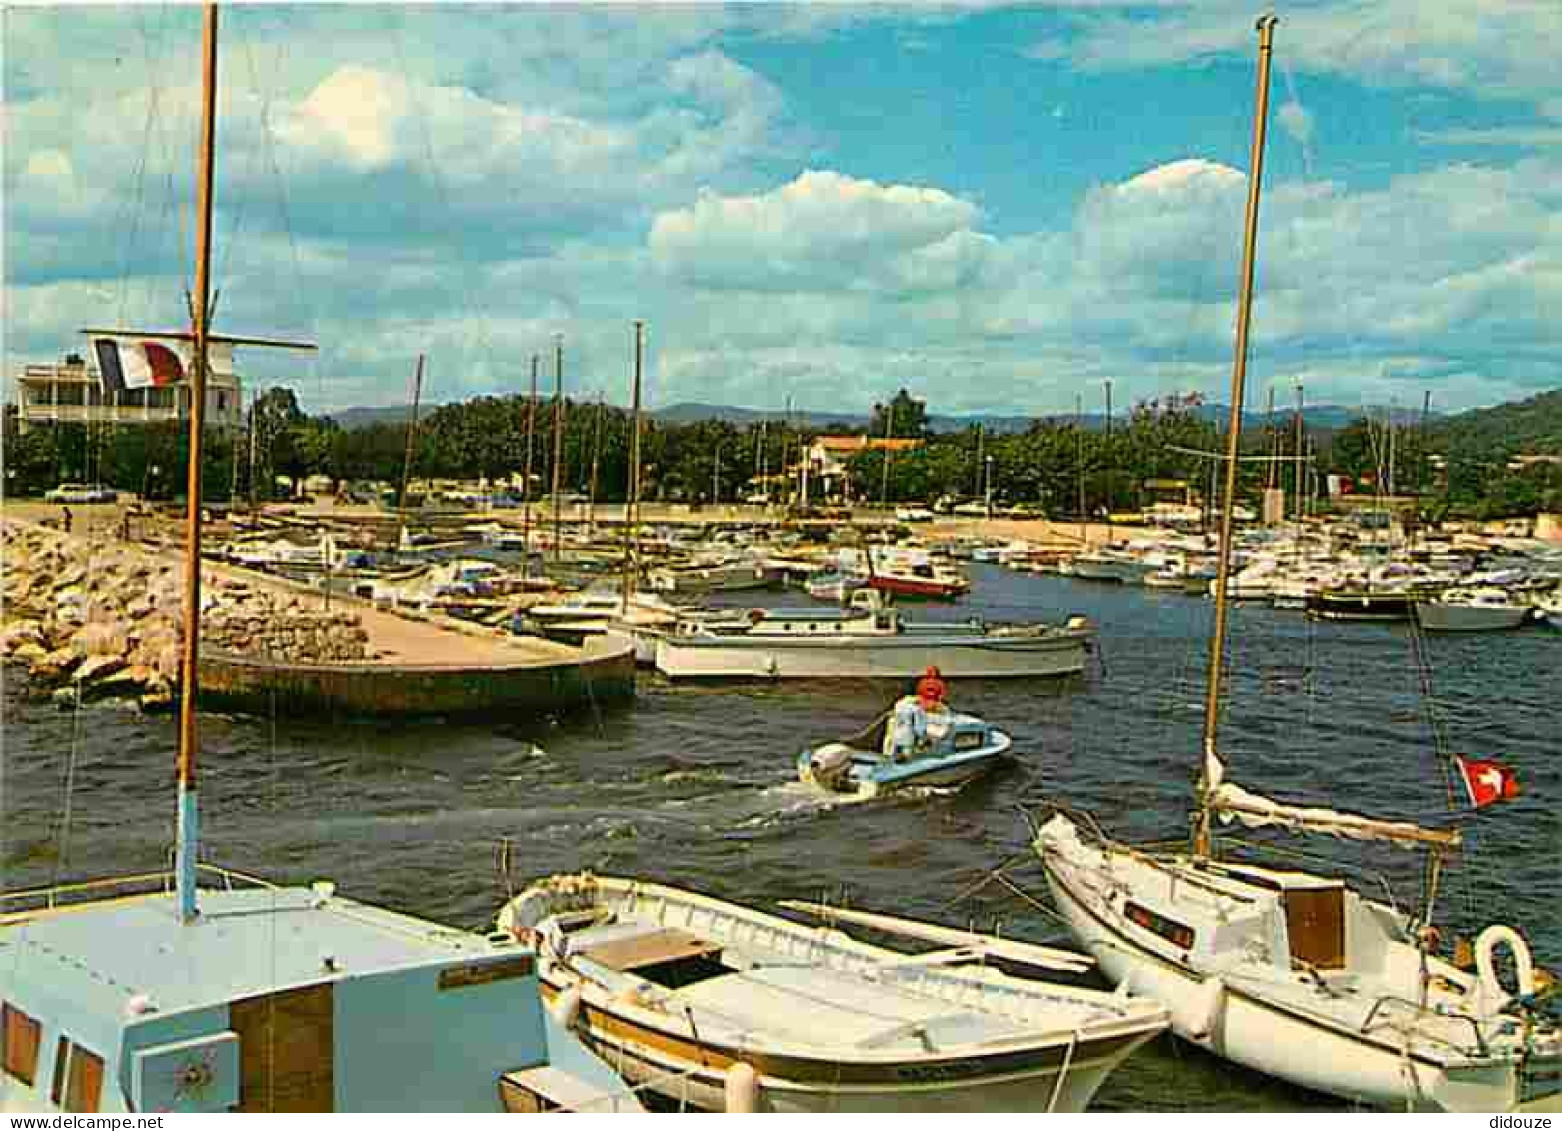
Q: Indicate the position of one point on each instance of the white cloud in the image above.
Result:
(822, 230)
(1487, 48)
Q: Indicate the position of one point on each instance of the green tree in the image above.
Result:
(904, 415)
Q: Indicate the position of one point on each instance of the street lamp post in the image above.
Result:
(989, 488)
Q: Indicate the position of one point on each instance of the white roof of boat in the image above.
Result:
(245, 942)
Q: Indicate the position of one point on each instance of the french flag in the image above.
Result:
(139, 363)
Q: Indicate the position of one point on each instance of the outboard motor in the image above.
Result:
(830, 766)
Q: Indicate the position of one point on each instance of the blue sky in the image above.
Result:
(997, 207)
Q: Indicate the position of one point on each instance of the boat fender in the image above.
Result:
(1493, 995)
(740, 1089)
(566, 1007)
(1206, 1011)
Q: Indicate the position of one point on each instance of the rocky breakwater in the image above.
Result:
(97, 620)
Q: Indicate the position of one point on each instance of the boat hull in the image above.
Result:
(824, 1021)
(695, 1076)
(1435, 617)
(872, 775)
(1266, 1037)
(1331, 604)
(925, 589)
(1061, 652)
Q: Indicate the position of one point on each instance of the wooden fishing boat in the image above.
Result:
(693, 996)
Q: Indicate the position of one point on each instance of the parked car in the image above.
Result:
(80, 493)
(913, 514)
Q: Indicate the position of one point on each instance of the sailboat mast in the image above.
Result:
(1301, 457)
(596, 464)
(526, 491)
(412, 432)
(188, 836)
(558, 438)
(632, 542)
(1217, 646)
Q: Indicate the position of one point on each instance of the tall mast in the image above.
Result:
(526, 491)
(1079, 464)
(189, 831)
(558, 438)
(1217, 647)
(632, 542)
(412, 432)
(1301, 456)
(596, 464)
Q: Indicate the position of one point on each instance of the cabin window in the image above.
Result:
(20, 1036)
(78, 1075)
(1178, 934)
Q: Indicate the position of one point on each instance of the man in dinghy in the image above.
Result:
(908, 732)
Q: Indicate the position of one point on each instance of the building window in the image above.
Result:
(20, 1036)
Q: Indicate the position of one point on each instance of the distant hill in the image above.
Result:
(350, 418)
(1531, 427)
(1325, 417)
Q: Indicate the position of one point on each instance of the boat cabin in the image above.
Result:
(272, 999)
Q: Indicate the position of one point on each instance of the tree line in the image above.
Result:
(1056, 466)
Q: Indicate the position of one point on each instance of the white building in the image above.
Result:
(72, 391)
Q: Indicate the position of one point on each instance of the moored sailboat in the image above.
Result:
(1288, 970)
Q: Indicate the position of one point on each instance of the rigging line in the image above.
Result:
(63, 831)
(466, 292)
(1304, 135)
(161, 128)
(133, 205)
(269, 148)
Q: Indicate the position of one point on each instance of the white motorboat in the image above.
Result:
(833, 585)
(954, 749)
(867, 640)
(1112, 564)
(643, 618)
(1289, 970)
(1472, 609)
(692, 996)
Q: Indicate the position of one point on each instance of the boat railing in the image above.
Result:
(30, 901)
(1451, 1015)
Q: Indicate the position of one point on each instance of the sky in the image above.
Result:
(1000, 208)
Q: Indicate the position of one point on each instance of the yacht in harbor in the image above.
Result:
(869, 639)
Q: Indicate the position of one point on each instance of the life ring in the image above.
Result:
(1492, 990)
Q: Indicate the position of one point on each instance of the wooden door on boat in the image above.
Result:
(286, 1050)
(1315, 922)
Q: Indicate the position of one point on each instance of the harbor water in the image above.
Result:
(694, 785)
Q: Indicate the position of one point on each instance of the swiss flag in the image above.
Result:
(1486, 781)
